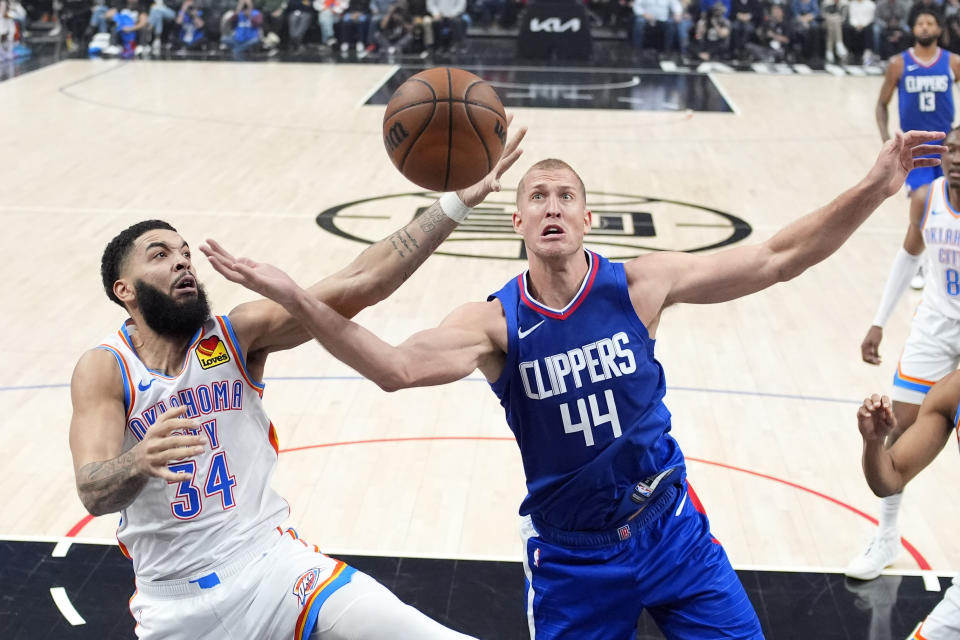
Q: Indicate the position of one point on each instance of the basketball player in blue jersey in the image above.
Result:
(168, 428)
(889, 468)
(568, 348)
(924, 75)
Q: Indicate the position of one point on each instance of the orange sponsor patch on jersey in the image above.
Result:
(212, 352)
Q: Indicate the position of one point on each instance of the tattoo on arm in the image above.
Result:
(111, 485)
(431, 218)
(405, 244)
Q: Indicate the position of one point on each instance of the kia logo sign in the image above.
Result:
(554, 25)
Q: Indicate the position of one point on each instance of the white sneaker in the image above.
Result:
(880, 553)
(155, 46)
(830, 58)
(359, 47)
(841, 49)
(343, 48)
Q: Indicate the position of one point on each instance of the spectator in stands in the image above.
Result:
(130, 21)
(8, 31)
(298, 16)
(889, 30)
(378, 10)
(246, 23)
(806, 27)
(272, 27)
(395, 30)
(190, 20)
(712, 36)
(422, 22)
(706, 6)
(75, 16)
(98, 20)
(746, 16)
(834, 14)
(951, 31)
(449, 23)
(773, 36)
(490, 12)
(664, 15)
(158, 15)
(353, 26)
(330, 13)
(859, 28)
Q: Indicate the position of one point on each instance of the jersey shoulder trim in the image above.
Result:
(234, 345)
(129, 392)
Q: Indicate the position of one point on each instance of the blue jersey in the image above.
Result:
(583, 395)
(926, 93)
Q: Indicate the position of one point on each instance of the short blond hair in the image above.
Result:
(550, 164)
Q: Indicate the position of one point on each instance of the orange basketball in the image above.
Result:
(444, 129)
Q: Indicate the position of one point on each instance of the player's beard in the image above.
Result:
(168, 317)
(926, 41)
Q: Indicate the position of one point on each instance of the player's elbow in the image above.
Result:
(884, 487)
(93, 506)
(395, 376)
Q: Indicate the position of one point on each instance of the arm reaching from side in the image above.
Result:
(472, 337)
(888, 470)
(658, 280)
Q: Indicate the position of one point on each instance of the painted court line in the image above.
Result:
(62, 600)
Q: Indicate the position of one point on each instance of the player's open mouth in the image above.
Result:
(551, 230)
(186, 283)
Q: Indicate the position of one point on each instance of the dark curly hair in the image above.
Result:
(920, 10)
(117, 250)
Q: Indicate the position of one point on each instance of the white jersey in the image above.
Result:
(178, 529)
(941, 234)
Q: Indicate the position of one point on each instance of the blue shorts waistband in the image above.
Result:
(633, 527)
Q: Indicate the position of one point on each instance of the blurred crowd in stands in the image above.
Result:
(846, 31)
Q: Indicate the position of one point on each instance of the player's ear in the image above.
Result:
(517, 221)
(587, 221)
(124, 290)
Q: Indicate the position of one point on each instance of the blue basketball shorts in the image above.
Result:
(595, 585)
(921, 176)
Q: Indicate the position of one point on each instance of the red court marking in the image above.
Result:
(80, 525)
(917, 556)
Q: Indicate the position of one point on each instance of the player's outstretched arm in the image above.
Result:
(681, 277)
(377, 272)
(901, 272)
(108, 479)
(468, 339)
(889, 470)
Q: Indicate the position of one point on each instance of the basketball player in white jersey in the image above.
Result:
(933, 346)
(889, 468)
(168, 428)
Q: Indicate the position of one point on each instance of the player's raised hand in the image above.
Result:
(162, 445)
(875, 417)
(475, 194)
(899, 155)
(870, 347)
(265, 279)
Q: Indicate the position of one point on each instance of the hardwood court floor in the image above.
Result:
(762, 390)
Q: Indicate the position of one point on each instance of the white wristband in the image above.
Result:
(453, 207)
(903, 269)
